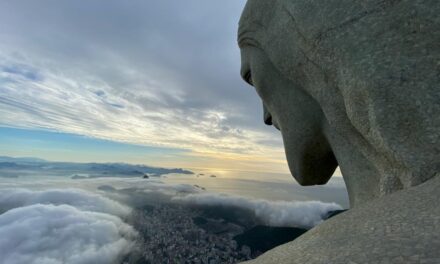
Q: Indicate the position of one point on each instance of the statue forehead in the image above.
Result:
(254, 20)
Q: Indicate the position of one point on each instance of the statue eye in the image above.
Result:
(248, 78)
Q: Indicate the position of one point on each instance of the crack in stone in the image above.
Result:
(381, 6)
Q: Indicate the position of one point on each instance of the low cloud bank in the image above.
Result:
(305, 214)
(86, 201)
(76, 226)
(62, 226)
(272, 213)
(172, 189)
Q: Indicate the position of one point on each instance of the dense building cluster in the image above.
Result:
(173, 234)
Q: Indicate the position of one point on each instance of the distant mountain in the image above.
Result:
(21, 159)
(13, 167)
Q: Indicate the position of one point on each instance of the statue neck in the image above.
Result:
(360, 176)
(366, 180)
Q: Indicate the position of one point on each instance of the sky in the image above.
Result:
(152, 82)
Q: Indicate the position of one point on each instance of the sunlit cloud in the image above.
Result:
(66, 105)
(62, 226)
(142, 79)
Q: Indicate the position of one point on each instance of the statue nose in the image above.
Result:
(267, 116)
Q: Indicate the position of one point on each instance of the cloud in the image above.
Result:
(82, 200)
(272, 213)
(55, 226)
(143, 72)
(21, 71)
(151, 192)
(76, 226)
(170, 189)
(305, 214)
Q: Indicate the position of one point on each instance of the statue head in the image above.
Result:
(294, 112)
(341, 94)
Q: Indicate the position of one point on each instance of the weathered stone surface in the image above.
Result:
(355, 84)
(383, 231)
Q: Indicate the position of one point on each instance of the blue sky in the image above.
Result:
(69, 147)
(148, 81)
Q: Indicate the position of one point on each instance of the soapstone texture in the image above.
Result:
(354, 84)
(382, 232)
(367, 73)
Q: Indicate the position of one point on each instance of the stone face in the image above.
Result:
(354, 84)
(353, 79)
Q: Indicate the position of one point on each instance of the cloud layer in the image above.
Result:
(272, 213)
(157, 73)
(305, 214)
(80, 199)
(78, 226)
(69, 226)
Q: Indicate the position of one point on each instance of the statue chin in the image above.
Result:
(312, 162)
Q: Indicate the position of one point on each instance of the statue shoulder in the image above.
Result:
(400, 228)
